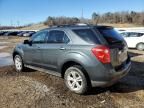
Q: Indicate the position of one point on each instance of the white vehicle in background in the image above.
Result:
(134, 39)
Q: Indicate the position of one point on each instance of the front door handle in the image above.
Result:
(62, 48)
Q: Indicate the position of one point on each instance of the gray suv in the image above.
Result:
(85, 56)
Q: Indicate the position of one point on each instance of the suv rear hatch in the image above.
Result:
(116, 43)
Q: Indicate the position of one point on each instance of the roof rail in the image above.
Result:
(64, 25)
(70, 25)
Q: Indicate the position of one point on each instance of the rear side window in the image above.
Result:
(110, 35)
(56, 36)
(87, 35)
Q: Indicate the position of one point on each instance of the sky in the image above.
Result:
(21, 12)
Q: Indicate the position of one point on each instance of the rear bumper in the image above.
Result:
(114, 77)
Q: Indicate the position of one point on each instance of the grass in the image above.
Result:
(35, 27)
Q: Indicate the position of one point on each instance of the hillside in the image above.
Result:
(35, 27)
(42, 26)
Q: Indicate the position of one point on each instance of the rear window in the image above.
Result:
(111, 35)
(87, 35)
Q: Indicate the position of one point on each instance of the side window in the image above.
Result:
(125, 34)
(56, 36)
(39, 37)
(140, 34)
(132, 34)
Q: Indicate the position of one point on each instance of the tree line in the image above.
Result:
(131, 17)
(51, 21)
(120, 17)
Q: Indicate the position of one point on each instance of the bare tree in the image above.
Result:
(109, 17)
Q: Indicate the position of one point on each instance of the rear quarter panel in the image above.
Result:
(82, 54)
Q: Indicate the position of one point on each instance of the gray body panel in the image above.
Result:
(52, 57)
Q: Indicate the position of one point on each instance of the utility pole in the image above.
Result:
(11, 23)
(82, 14)
(18, 23)
(82, 17)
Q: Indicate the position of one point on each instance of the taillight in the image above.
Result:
(102, 53)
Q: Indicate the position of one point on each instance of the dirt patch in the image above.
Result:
(38, 89)
(2, 47)
(10, 42)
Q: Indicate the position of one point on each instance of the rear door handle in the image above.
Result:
(62, 48)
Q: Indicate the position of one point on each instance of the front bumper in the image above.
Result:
(114, 77)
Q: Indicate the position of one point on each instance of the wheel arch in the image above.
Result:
(138, 44)
(16, 53)
(69, 63)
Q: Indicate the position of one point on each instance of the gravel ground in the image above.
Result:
(34, 89)
(40, 90)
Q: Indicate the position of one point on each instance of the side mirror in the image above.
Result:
(27, 42)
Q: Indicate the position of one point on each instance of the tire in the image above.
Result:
(18, 62)
(140, 46)
(75, 79)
